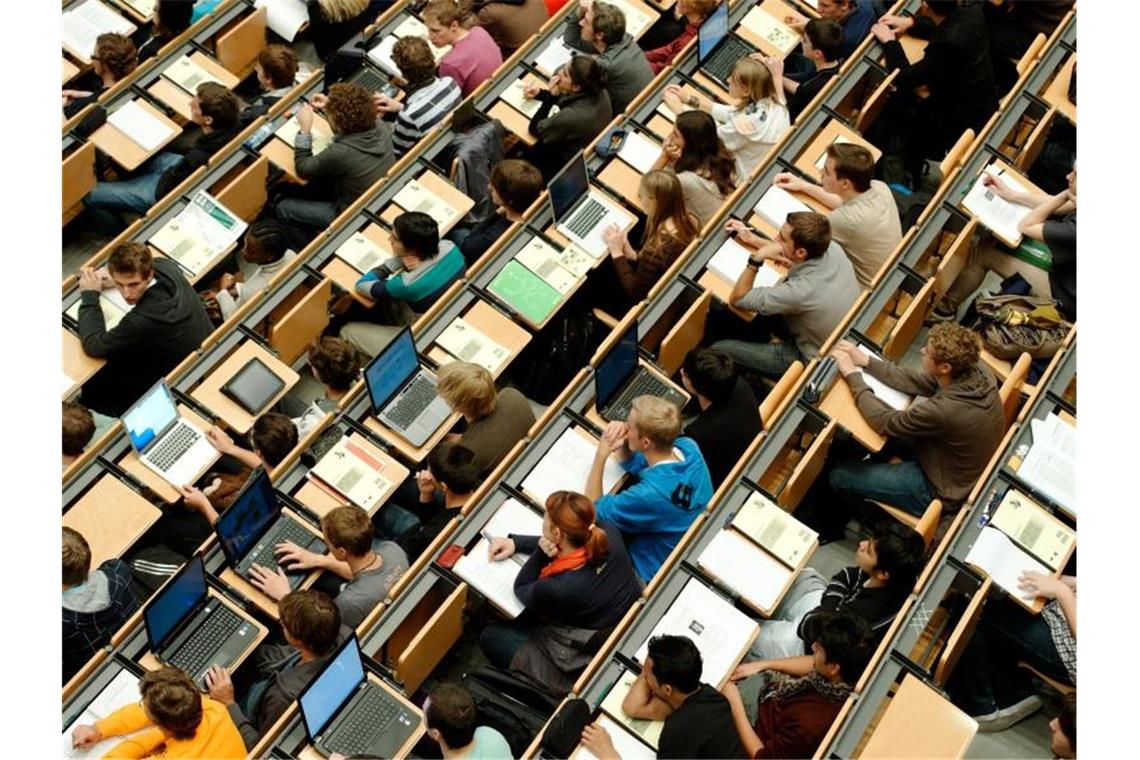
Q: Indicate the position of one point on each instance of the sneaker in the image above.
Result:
(937, 315)
(1007, 716)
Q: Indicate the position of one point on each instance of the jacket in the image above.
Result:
(90, 627)
(419, 287)
(663, 56)
(284, 687)
(960, 425)
(627, 70)
(216, 738)
(476, 153)
(511, 23)
(350, 164)
(579, 120)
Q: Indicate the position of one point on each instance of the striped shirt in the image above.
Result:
(425, 108)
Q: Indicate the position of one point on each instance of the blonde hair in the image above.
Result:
(664, 189)
(467, 388)
(342, 10)
(756, 80)
(657, 419)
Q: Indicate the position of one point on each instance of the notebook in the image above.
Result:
(1033, 529)
(415, 196)
(729, 262)
(1002, 560)
(353, 472)
(782, 535)
(288, 132)
(1050, 465)
(525, 292)
(545, 261)
(469, 344)
(123, 690)
(775, 205)
(496, 580)
(566, 465)
(553, 56)
(639, 152)
(517, 99)
(140, 126)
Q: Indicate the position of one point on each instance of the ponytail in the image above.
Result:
(574, 515)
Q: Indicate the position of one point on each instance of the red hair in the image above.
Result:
(574, 515)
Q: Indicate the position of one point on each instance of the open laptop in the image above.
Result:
(582, 212)
(718, 50)
(344, 712)
(254, 524)
(403, 395)
(189, 629)
(620, 378)
(166, 443)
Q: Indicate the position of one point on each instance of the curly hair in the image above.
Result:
(117, 53)
(350, 109)
(954, 345)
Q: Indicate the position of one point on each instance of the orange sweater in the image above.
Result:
(217, 737)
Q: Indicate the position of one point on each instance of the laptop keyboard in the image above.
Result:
(416, 397)
(369, 80)
(644, 384)
(264, 555)
(721, 63)
(173, 446)
(587, 217)
(194, 655)
(371, 716)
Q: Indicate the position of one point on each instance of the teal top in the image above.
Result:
(488, 744)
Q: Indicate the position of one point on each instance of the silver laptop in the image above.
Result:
(402, 394)
(581, 212)
(175, 449)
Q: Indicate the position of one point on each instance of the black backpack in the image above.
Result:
(555, 355)
(514, 704)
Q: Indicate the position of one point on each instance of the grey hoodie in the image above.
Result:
(350, 164)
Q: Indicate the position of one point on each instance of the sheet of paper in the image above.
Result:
(67, 383)
(414, 196)
(144, 7)
(112, 313)
(1003, 561)
(494, 580)
(996, 213)
(525, 292)
(288, 132)
(626, 745)
(648, 730)
(636, 20)
(381, 55)
(894, 398)
(639, 151)
(767, 27)
(729, 261)
(140, 126)
(187, 74)
(120, 692)
(1055, 433)
(746, 569)
(1020, 518)
(775, 205)
(1050, 465)
(822, 160)
(515, 97)
(720, 631)
(553, 56)
(565, 468)
(576, 260)
(785, 537)
(179, 241)
(361, 253)
(285, 17)
(469, 344)
(83, 24)
(354, 472)
(513, 516)
(543, 260)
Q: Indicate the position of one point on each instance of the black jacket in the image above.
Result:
(581, 117)
(724, 430)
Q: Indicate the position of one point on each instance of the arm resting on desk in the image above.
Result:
(127, 720)
(935, 65)
(542, 125)
(916, 421)
(641, 703)
(905, 380)
(1033, 225)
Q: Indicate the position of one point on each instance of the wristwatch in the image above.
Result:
(754, 263)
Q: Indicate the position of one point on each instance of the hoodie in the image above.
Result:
(349, 165)
(655, 512)
(93, 612)
(960, 426)
(167, 324)
(216, 736)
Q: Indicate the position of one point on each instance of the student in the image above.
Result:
(823, 47)
(1064, 729)
(515, 185)
(445, 486)
(1010, 30)
(754, 123)
(171, 18)
(360, 153)
(172, 715)
(1053, 221)
(584, 109)
(599, 27)
(430, 98)
(959, 422)
(511, 23)
(405, 285)
(812, 299)
(78, 430)
(674, 484)
(310, 623)
(95, 603)
(474, 57)
(114, 59)
(167, 323)
(696, 154)
(668, 231)
(698, 719)
(276, 68)
(333, 22)
(864, 218)
(855, 18)
(336, 365)
(496, 421)
(803, 695)
(729, 420)
(695, 12)
(267, 249)
(450, 718)
(369, 567)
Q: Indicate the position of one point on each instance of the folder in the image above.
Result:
(525, 292)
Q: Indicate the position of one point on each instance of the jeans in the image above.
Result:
(502, 641)
(778, 637)
(901, 485)
(393, 521)
(769, 359)
(306, 213)
(108, 200)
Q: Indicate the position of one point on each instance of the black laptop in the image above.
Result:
(718, 49)
(620, 378)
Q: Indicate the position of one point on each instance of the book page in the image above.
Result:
(649, 731)
(626, 745)
(285, 17)
(515, 98)
(785, 537)
(767, 27)
(112, 313)
(120, 692)
(554, 56)
(996, 213)
(361, 253)
(639, 151)
(775, 205)
(180, 242)
(636, 21)
(381, 55)
(576, 260)
(145, 8)
(566, 466)
(542, 259)
(83, 23)
(140, 126)
(187, 74)
(1050, 465)
(1020, 518)
(353, 472)
(1003, 561)
(214, 223)
(745, 568)
(513, 516)
(288, 132)
(896, 399)
(494, 580)
(414, 196)
(468, 344)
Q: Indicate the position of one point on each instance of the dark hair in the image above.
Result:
(131, 257)
(517, 182)
(312, 618)
(609, 23)
(219, 104)
(704, 152)
(943, 7)
(413, 58)
(279, 63)
(826, 36)
(336, 362)
(853, 162)
(574, 515)
(349, 528)
(117, 53)
(78, 428)
(453, 465)
(587, 73)
(676, 662)
(76, 557)
(274, 436)
(418, 233)
(1067, 718)
(712, 373)
(810, 231)
(451, 711)
(899, 551)
(173, 701)
(846, 641)
(173, 17)
(269, 240)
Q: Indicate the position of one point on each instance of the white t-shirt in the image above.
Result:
(868, 228)
(750, 132)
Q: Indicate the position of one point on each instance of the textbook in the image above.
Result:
(188, 74)
(469, 344)
(288, 132)
(1036, 531)
(120, 692)
(199, 232)
(1050, 465)
(112, 303)
(639, 151)
(85, 21)
(1001, 559)
(636, 21)
(730, 260)
(361, 253)
(767, 27)
(996, 213)
(496, 580)
(415, 196)
(517, 99)
(553, 56)
(741, 565)
(627, 745)
(648, 731)
(525, 292)
(140, 126)
(566, 465)
(896, 399)
(285, 17)
(775, 205)
(782, 535)
(349, 470)
(544, 260)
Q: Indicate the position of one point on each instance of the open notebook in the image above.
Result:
(496, 580)
(467, 343)
(120, 692)
(1050, 465)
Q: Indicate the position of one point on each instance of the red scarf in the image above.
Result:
(571, 561)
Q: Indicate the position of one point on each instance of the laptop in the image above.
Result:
(718, 50)
(344, 712)
(403, 395)
(254, 524)
(190, 630)
(582, 212)
(175, 449)
(620, 378)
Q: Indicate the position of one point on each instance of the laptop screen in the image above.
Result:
(150, 417)
(170, 606)
(391, 368)
(568, 187)
(712, 31)
(252, 513)
(327, 692)
(619, 364)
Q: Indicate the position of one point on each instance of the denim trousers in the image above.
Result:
(502, 641)
(107, 201)
(769, 359)
(901, 484)
(309, 214)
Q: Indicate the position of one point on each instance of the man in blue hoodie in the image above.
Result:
(673, 487)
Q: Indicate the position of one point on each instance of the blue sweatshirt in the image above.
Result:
(655, 513)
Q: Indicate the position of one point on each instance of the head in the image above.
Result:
(603, 24)
(583, 74)
(173, 17)
(335, 362)
(751, 82)
(805, 235)
(276, 67)
(273, 436)
(453, 467)
(849, 168)
(702, 150)
(823, 40)
(172, 700)
(468, 389)
(450, 717)
(654, 424)
(131, 266)
(893, 555)
(696, 11)
(1064, 728)
(265, 242)
(350, 109)
(709, 373)
(950, 351)
(78, 429)
(348, 531)
(444, 20)
(310, 620)
(214, 108)
(569, 524)
(115, 56)
(662, 198)
(415, 235)
(836, 10)
(76, 558)
(342, 10)
(672, 667)
(413, 57)
(515, 185)
(841, 645)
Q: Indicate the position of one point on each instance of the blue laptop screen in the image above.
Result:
(619, 364)
(171, 605)
(148, 418)
(247, 519)
(332, 688)
(712, 31)
(391, 368)
(568, 187)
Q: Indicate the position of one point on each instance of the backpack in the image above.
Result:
(565, 728)
(555, 355)
(912, 202)
(1013, 324)
(514, 704)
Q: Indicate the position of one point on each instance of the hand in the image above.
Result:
(320, 101)
(672, 148)
(220, 441)
(385, 104)
(775, 65)
(273, 584)
(882, 32)
(796, 22)
(613, 438)
(858, 358)
(731, 692)
(746, 669)
(993, 182)
(790, 182)
(305, 119)
(194, 499)
(598, 741)
(295, 558)
(1040, 584)
(228, 282)
(843, 362)
(615, 239)
(85, 736)
(70, 95)
(426, 483)
(897, 24)
(219, 685)
(743, 234)
(548, 547)
(674, 101)
(772, 251)
(583, 6)
(500, 549)
(531, 89)
(89, 280)
(559, 83)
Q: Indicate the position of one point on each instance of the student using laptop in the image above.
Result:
(78, 430)
(474, 56)
(581, 212)
(514, 187)
(266, 249)
(496, 420)
(276, 69)
(430, 97)
(450, 716)
(695, 12)
(171, 446)
(578, 88)
(599, 28)
(707, 171)
(673, 486)
(823, 46)
(166, 324)
(729, 419)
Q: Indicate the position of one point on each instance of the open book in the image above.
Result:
(896, 399)
(200, 231)
(120, 692)
(744, 567)
(996, 213)
(648, 731)
(84, 22)
(361, 253)
(415, 196)
(114, 307)
(469, 344)
(353, 472)
(188, 74)
(285, 17)
(546, 261)
(782, 535)
(553, 56)
(1036, 531)
(1004, 561)
(1050, 465)
(496, 580)
(565, 467)
(767, 27)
